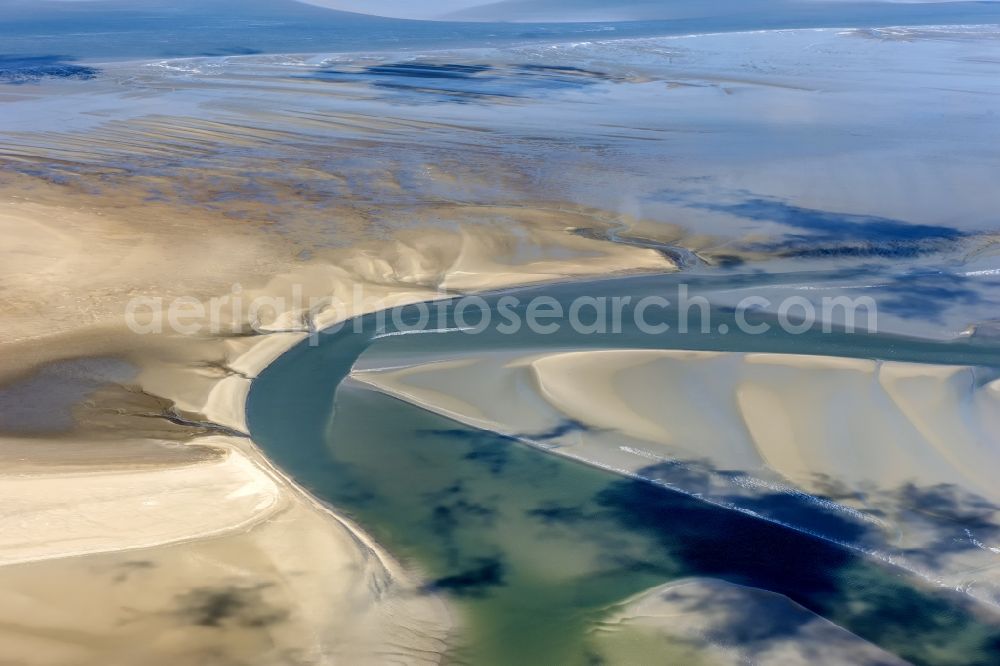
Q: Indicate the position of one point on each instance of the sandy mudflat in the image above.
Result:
(298, 588)
(132, 509)
(124, 476)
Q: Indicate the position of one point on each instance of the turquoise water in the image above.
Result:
(533, 548)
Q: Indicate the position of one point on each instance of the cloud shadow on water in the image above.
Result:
(871, 600)
(831, 233)
(19, 70)
(465, 83)
(927, 295)
(487, 573)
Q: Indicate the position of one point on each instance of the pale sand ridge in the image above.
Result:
(876, 436)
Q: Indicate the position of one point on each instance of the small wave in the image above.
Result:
(926, 32)
(979, 544)
(392, 334)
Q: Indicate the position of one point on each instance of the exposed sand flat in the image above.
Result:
(415, 268)
(905, 449)
(491, 262)
(118, 481)
(296, 589)
(738, 410)
(71, 267)
(55, 515)
(708, 621)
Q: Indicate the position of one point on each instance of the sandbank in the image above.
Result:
(142, 481)
(902, 450)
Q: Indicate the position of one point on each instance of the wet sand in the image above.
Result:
(136, 475)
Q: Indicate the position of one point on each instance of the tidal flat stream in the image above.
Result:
(532, 548)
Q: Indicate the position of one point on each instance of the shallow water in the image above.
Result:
(533, 548)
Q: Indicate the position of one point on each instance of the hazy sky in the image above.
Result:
(418, 9)
(567, 10)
